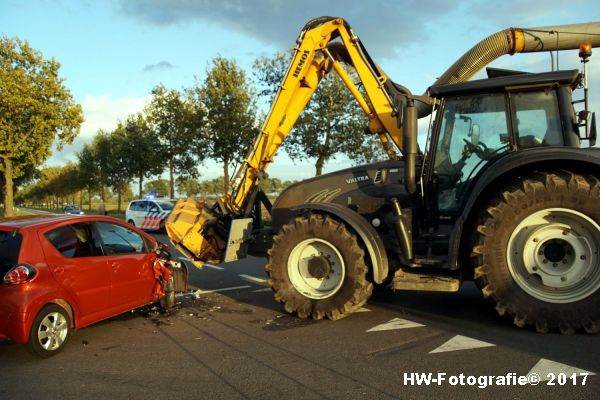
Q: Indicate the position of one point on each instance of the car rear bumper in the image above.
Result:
(13, 326)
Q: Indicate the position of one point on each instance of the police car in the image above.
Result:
(149, 214)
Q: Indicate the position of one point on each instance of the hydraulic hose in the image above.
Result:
(516, 40)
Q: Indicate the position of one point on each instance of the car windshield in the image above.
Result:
(10, 245)
(165, 205)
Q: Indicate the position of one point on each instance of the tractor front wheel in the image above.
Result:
(317, 268)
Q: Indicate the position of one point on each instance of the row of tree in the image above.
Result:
(57, 186)
(216, 119)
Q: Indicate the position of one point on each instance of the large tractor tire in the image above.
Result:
(536, 252)
(317, 269)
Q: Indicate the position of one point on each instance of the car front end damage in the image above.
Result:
(171, 277)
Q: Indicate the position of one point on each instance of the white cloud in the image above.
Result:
(100, 112)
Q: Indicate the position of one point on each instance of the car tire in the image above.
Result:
(334, 285)
(50, 331)
(536, 252)
(130, 222)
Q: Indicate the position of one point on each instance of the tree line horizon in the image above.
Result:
(216, 118)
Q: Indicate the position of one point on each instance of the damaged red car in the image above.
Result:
(60, 273)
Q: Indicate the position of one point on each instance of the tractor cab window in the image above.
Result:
(473, 130)
(538, 121)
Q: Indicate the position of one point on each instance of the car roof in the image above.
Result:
(41, 220)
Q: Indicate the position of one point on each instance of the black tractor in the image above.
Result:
(503, 194)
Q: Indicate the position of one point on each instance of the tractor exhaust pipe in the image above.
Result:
(410, 146)
(516, 40)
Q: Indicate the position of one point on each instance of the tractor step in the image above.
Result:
(408, 280)
(429, 262)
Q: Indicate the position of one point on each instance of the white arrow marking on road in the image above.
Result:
(262, 290)
(254, 279)
(460, 342)
(362, 309)
(200, 292)
(396, 323)
(545, 367)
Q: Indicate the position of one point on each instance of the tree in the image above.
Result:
(146, 160)
(175, 125)
(188, 186)
(332, 122)
(269, 72)
(35, 110)
(95, 167)
(230, 113)
(213, 187)
(117, 160)
(159, 186)
(88, 170)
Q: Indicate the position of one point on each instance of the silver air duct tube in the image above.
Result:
(516, 40)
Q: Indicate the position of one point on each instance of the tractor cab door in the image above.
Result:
(474, 129)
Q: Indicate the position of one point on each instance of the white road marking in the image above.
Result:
(205, 265)
(262, 290)
(200, 292)
(214, 267)
(396, 323)
(460, 342)
(254, 279)
(545, 367)
(363, 309)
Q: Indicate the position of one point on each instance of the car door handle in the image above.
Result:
(115, 266)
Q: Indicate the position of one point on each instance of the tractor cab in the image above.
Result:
(480, 122)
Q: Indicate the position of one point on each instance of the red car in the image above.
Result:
(64, 272)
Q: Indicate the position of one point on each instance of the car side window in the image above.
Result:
(118, 239)
(138, 206)
(142, 206)
(75, 240)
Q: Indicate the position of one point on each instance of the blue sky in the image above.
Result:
(113, 52)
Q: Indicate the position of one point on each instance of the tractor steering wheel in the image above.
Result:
(480, 149)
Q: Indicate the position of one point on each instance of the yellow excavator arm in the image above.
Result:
(321, 45)
(313, 59)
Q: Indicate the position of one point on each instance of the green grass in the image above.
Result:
(17, 212)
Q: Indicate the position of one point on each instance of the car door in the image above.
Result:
(140, 212)
(74, 257)
(130, 262)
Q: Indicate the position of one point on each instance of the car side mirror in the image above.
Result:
(153, 209)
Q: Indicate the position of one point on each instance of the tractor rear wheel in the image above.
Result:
(317, 269)
(536, 252)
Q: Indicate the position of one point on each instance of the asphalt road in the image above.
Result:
(234, 341)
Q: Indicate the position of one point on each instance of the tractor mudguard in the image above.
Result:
(367, 234)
